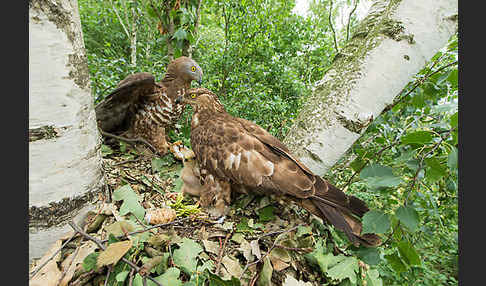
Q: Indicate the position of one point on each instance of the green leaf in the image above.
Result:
(345, 268)
(89, 262)
(265, 278)
(185, 256)
(377, 176)
(215, 280)
(302, 230)
(266, 214)
(120, 277)
(408, 253)
(131, 201)
(161, 164)
(417, 137)
(453, 77)
(408, 216)
(375, 221)
(373, 278)
(435, 170)
(105, 150)
(170, 277)
(180, 34)
(454, 120)
(452, 159)
(395, 263)
(369, 255)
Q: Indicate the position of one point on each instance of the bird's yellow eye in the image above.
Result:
(193, 68)
(193, 95)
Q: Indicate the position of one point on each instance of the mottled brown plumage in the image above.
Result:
(236, 154)
(141, 108)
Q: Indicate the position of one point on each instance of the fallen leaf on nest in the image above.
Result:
(232, 266)
(49, 275)
(255, 248)
(246, 249)
(159, 239)
(211, 246)
(113, 253)
(265, 278)
(162, 215)
(119, 228)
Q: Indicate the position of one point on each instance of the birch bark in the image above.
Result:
(391, 44)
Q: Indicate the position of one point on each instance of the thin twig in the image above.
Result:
(349, 18)
(69, 266)
(108, 275)
(130, 140)
(421, 164)
(100, 245)
(378, 154)
(221, 251)
(332, 28)
(52, 256)
(151, 227)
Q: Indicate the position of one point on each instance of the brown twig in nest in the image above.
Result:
(100, 245)
(221, 251)
(131, 140)
(151, 227)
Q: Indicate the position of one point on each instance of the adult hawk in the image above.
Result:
(236, 154)
(141, 108)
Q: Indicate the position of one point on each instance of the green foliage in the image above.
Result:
(375, 221)
(185, 256)
(131, 201)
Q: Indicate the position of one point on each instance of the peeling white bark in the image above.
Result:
(370, 74)
(66, 164)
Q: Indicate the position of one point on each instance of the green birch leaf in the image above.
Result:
(396, 263)
(408, 253)
(377, 176)
(408, 216)
(185, 255)
(170, 277)
(345, 268)
(89, 262)
(417, 137)
(373, 278)
(369, 255)
(435, 170)
(131, 201)
(375, 221)
(452, 159)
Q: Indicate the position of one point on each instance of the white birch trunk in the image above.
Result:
(64, 145)
(389, 47)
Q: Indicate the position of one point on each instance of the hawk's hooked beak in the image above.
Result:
(179, 99)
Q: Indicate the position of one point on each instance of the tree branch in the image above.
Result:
(119, 19)
(332, 28)
(349, 18)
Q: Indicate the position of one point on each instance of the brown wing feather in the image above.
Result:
(113, 111)
(229, 150)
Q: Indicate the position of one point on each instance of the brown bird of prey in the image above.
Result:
(236, 154)
(141, 108)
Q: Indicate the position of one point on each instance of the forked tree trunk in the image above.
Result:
(389, 47)
(64, 144)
